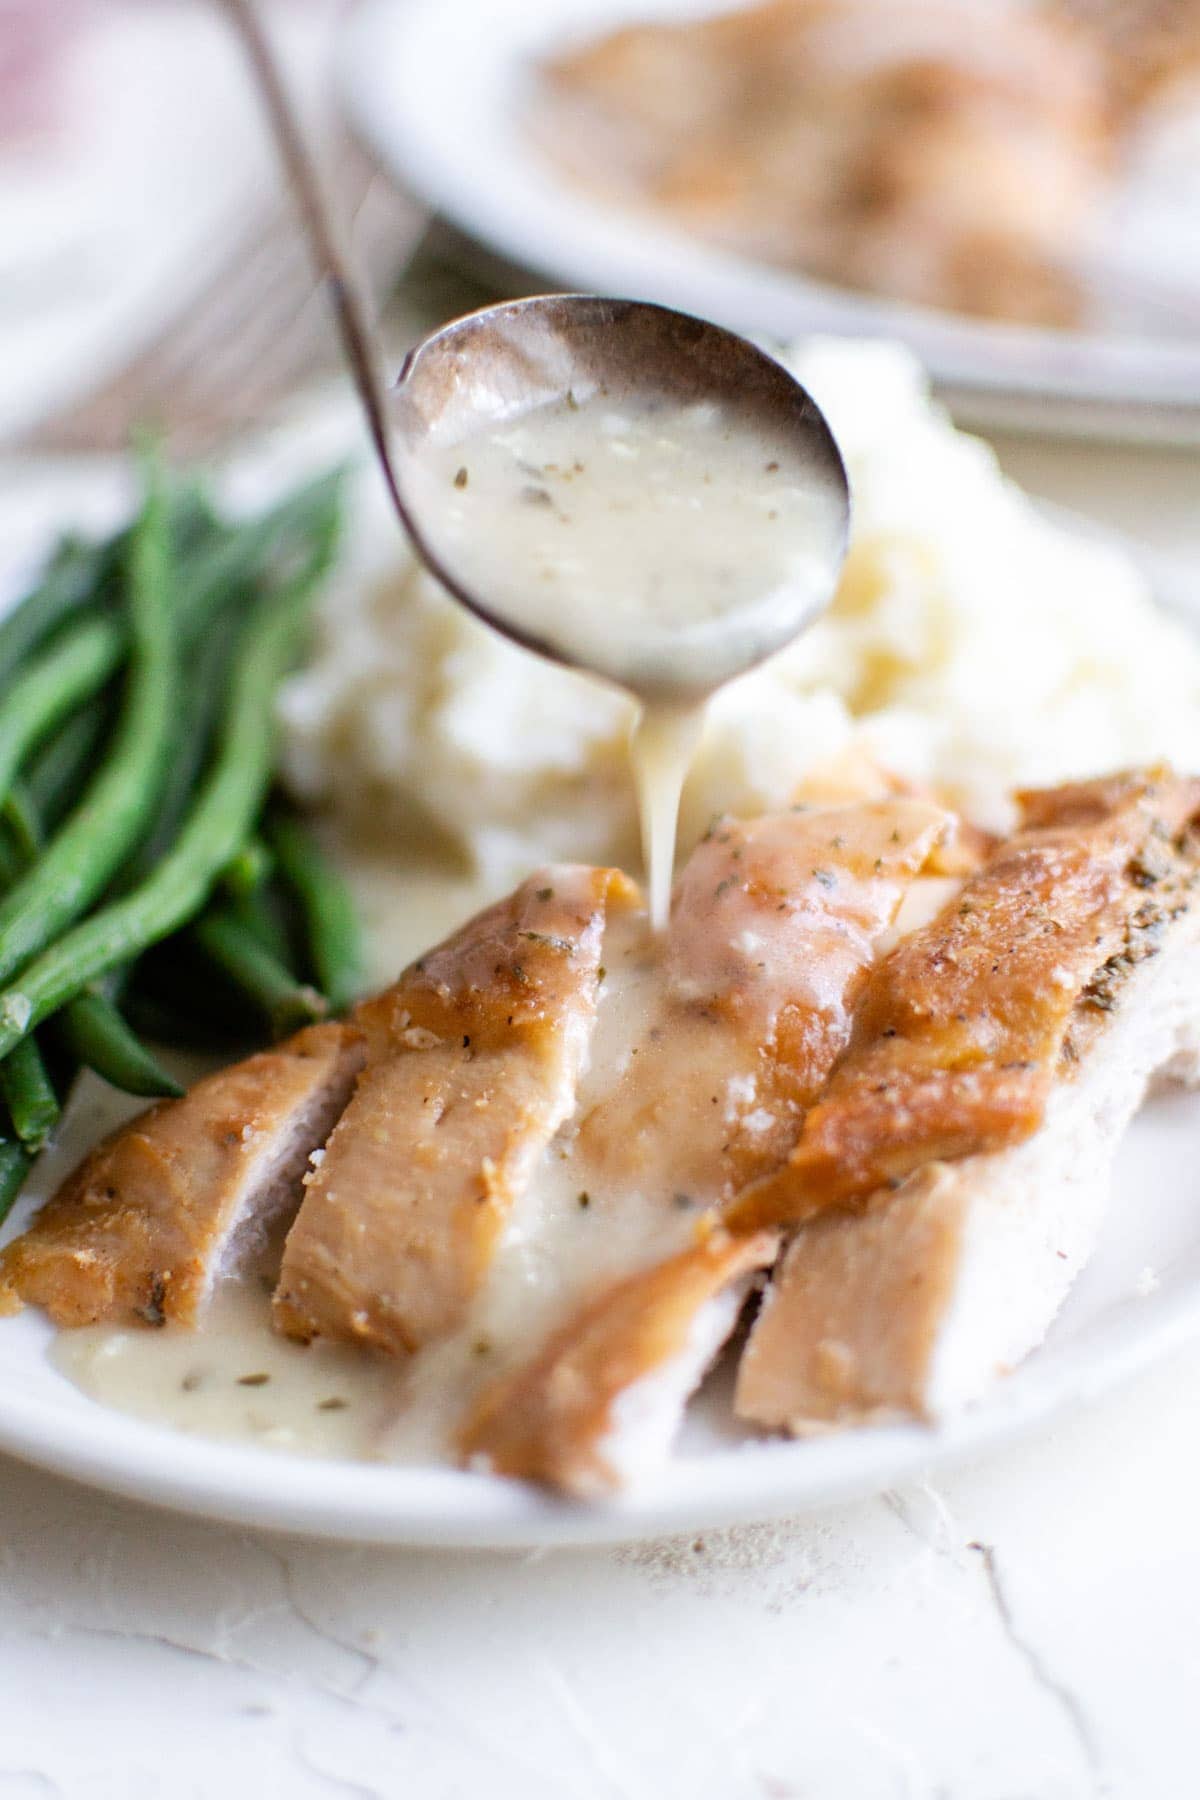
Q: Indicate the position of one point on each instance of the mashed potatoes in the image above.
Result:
(972, 644)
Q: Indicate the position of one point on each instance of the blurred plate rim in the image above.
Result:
(429, 86)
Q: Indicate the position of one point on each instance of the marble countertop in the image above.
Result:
(1023, 1630)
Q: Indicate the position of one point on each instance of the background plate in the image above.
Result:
(436, 87)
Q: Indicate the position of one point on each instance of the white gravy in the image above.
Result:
(235, 1379)
(665, 546)
(195, 1380)
(568, 1231)
(664, 741)
(577, 1224)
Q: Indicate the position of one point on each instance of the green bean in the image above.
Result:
(285, 1003)
(249, 871)
(208, 582)
(315, 510)
(217, 825)
(74, 575)
(23, 823)
(204, 584)
(207, 680)
(51, 704)
(15, 1164)
(254, 903)
(79, 661)
(213, 573)
(79, 574)
(29, 1092)
(11, 859)
(262, 914)
(20, 839)
(24, 1078)
(95, 1033)
(193, 516)
(51, 686)
(100, 831)
(93, 1026)
(198, 711)
(269, 916)
(90, 1027)
(330, 923)
(57, 773)
(60, 767)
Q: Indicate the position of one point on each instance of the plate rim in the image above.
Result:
(398, 1505)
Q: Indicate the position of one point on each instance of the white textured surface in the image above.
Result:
(1027, 1629)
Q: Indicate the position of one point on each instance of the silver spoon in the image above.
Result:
(522, 361)
(526, 360)
(528, 354)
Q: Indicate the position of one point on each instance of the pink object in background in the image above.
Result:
(36, 41)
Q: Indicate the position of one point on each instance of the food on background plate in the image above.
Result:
(903, 147)
(1151, 47)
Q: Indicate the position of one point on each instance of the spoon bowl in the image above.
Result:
(521, 361)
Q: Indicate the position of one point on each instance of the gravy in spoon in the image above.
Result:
(664, 544)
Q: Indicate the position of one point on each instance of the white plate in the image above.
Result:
(1109, 1328)
(1115, 1321)
(436, 86)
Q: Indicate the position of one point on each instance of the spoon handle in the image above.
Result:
(359, 338)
